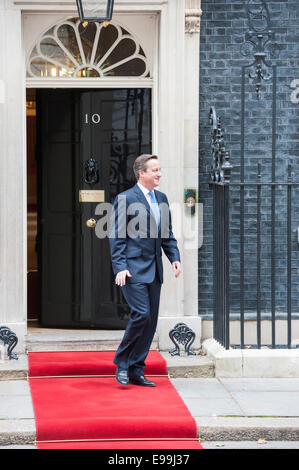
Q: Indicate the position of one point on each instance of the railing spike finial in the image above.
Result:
(220, 167)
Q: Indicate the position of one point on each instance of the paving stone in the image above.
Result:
(212, 407)
(16, 406)
(259, 384)
(199, 388)
(284, 403)
(14, 387)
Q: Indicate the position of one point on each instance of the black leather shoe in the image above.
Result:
(141, 380)
(122, 377)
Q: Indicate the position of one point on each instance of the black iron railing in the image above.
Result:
(256, 256)
(262, 245)
(220, 176)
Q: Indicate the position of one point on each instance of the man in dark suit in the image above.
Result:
(140, 228)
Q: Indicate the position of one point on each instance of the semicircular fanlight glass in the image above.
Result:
(77, 49)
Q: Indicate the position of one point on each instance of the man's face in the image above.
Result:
(150, 178)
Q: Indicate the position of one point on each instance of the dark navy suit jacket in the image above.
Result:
(136, 242)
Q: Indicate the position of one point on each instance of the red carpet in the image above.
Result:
(85, 363)
(88, 409)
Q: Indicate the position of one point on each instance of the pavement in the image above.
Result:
(226, 410)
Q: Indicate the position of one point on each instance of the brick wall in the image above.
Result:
(223, 27)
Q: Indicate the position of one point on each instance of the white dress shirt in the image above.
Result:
(145, 192)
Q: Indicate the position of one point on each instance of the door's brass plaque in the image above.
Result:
(89, 195)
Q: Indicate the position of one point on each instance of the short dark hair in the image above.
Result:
(141, 163)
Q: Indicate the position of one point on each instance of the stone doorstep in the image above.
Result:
(13, 369)
(184, 366)
(23, 431)
(178, 366)
(74, 340)
(46, 339)
(252, 363)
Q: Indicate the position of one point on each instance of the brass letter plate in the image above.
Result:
(89, 195)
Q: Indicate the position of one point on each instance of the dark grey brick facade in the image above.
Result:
(223, 28)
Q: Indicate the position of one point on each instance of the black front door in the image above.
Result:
(86, 145)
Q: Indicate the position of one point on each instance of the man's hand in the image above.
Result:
(176, 266)
(120, 279)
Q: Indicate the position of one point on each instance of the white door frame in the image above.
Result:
(167, 87)
(168, 135)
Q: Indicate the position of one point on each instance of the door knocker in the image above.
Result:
(91, 171)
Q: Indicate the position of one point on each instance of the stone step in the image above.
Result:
(13, 369)
(177, 367)
(22, 432)
(47, 339)
(189, 366)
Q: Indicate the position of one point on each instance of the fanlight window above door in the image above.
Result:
(79, 49)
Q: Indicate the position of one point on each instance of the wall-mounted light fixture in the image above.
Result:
(95, 10)
(190, 199)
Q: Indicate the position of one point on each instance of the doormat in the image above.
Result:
(79, 405)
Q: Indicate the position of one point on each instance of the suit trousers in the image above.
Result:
(143, 300)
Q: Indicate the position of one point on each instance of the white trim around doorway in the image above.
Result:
(115, 82)
(167, 85)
